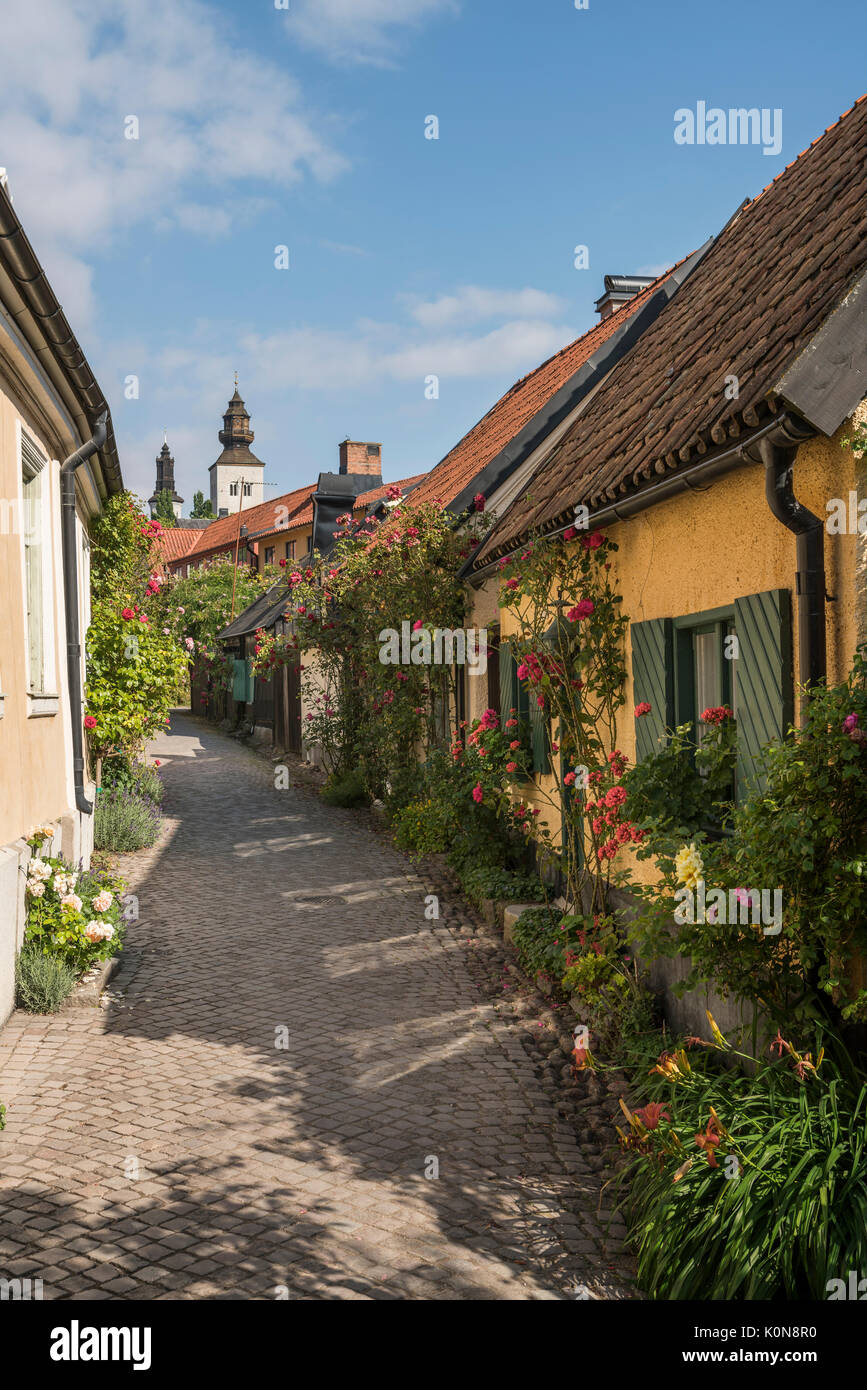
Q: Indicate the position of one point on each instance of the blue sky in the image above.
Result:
(304, 127)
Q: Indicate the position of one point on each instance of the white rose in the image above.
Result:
(71, 900)
(37, 868)
(35, 888)
(102, 901)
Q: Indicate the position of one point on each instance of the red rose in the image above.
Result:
(89, 721)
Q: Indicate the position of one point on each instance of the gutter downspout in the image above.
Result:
(810, 555)
(70, 597)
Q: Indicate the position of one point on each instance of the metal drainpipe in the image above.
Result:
(70, 596)
(809, 531)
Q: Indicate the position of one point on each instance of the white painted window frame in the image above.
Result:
(34, 459)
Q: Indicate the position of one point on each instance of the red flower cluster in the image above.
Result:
(538, 664)
(716, 714)
(608, 811)
(642, 709)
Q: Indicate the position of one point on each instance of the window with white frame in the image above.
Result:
(36, 533)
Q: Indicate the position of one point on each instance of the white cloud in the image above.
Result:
(313, 359)
(212, 116)
(360, 31)
(472, 304)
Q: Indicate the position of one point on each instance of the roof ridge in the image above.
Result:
(807, 148)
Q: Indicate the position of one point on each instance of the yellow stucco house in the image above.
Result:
(712, 454)
(58, 462)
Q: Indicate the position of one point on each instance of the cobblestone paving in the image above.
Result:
(163, 1146)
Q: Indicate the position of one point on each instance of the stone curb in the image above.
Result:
(86, 993)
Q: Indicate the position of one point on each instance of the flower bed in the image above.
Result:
(74, 918)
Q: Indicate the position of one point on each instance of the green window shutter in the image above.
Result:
(508, 682)
(652, 682)
(765, 680)
(239, 681)
(539, 725)
(251, 683)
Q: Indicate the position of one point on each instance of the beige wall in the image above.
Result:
(36, 781)
(300, 535)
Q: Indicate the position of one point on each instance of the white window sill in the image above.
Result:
(38, 706)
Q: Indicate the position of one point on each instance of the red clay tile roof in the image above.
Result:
(261, 520)
(177, 541)
(760, 293)
(520, 403)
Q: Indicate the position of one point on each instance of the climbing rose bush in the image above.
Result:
(567, 632)
(135, 651)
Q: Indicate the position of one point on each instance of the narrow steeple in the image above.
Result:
(165, 479)
(236, 476)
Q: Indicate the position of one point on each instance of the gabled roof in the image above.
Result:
(522, 402)
(258, 520)
(749, 310)
(262, 612)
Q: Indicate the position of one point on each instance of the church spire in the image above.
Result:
(165, 478)
(237, 467)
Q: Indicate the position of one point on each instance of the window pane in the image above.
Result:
(33, 576)
(707, 675)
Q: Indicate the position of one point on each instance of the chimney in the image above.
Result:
(619, 289)
(361, 458)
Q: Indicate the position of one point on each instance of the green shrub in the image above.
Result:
(747, 1187)
(133, 776)
(124, 820)
(539, 941)
(423, 827)
(345, 789)
(41, 982)
(483, 881)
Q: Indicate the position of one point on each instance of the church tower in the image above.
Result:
(165, 480)
(237, 477)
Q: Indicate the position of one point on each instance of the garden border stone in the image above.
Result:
(86, 993)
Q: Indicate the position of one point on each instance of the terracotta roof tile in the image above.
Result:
(262, 520)
(177, 541)
(746, 311)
